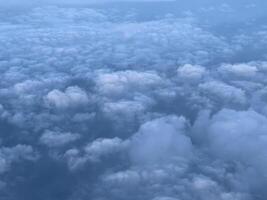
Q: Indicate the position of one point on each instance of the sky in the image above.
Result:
(133, 100)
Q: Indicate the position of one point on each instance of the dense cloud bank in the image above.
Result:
(108, 103)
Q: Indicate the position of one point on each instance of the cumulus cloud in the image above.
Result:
(94, 151)
(239, 70)
(224, 93)
(101, 147)
(237, 137)
(9, 155)
(133, 101)
(225, 133)
(119, 83)
(72, 97)
(57, 139)
(191, 73)
(161, 140)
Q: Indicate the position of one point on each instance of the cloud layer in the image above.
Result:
(133, 104)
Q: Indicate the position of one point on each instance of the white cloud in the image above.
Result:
(223, 93)
(9, 155)
(102, 89)
(95, 151)
(161, 140)
(58, 139)
(105, 146)
(237, 137)
(72, 97)
(239, 70)
(191, 73)
(122, 82)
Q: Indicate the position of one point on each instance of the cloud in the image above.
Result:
(9, 155)
(94, 151)
(231, 142)
(223, 93)
(157, 101)
(239, 70)
(120, 82)
(72, 97)
(161, 140)
(57, 139)
(102, 147)
(237, 137)
(191, 73)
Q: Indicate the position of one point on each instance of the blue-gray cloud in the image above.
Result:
(108, 102)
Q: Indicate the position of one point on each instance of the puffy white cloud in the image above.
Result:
(237, 137)
(72, 97)
(191, 73)
(161, 140)
(94, 151)
(169, 182)
(9, 155)
(102, 147)
(223, 93)
(126, 178)
(98, 91)
(122, 82)
(238, 70)
(57, 139)
(127, 110)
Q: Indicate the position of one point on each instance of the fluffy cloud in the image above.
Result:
(225, 134)
(161, 140)
(156, 101)
(72, 97)
(121, 82)
(94, 151)
(102, 147)
(9, 155)
(57, 139)
(191, 73)
(236, 137)
(223, 93)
